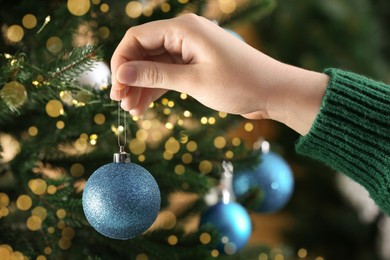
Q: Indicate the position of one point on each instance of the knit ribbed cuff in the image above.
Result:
(351, 133)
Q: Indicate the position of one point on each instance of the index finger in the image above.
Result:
(139, 42)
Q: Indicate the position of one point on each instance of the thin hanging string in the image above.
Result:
(124, 130)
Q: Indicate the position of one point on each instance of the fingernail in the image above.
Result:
(126, 74)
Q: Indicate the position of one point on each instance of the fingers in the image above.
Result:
(149, 74)
(146, 97)
(138, 43)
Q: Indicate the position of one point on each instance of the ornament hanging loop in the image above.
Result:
(122, 156)
(121, 129)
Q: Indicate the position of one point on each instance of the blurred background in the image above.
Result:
(57, 125)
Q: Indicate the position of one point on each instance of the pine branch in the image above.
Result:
(70, 66)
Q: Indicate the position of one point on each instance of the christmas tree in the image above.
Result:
(58, 125)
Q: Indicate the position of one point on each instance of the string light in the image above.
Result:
(47, 20)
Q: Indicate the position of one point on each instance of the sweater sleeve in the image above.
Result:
(351, 133)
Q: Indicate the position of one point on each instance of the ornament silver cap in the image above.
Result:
(226, 183)
(122, 156)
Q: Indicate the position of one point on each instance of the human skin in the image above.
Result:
(193, 55)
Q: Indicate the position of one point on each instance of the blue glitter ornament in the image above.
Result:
(121, 199)
(230, 218)
(268, 188)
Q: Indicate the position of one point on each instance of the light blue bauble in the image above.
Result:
(270, 185)
(121, 200)
(233, 224)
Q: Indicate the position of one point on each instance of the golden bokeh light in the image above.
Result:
(14, 93)
(205, 238)
(172, 240)
(34, 223)
(64, 243)
(40, 212)
(220, 142)
(227, 6)
(48, 250)
(15, 33)
(54, 108)
(4, 212)
(137, 146)
(37, 186)
(5, 251)
(51, 189)
(192, 146)
(104, 32)
(248, 127)
(229, 154)
(68, 233)
(54, 44)
(41, 257)
(134, 9)
(142, 134)
(236, 141)
(165, 7)
(172, 145)
(29, 21)
(60, 124)
(24, 202)
(186, 158)
(214, 253)
(78, 7)
(61, 213)
(180, 169)
(141, 256)
(4, 200)
(148, 11)
(205, 166)
(77, 170)
(32, 130)
(104, 8)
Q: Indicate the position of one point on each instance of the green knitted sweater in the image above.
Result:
(351, 133)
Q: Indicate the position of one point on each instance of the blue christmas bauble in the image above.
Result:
(268, 188)
(121, 200)
(233, 224)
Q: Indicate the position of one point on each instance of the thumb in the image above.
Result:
(150, 74)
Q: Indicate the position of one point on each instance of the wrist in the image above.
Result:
(297, 97)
